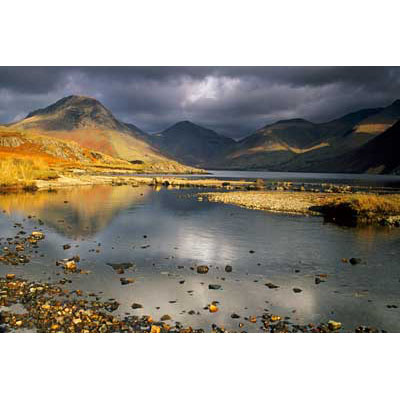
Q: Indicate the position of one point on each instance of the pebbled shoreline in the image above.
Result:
(347, 209)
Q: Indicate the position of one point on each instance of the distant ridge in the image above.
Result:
(300, 145)
(192, 144)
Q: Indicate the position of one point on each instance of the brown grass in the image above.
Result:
(21, 171)
(363, 204)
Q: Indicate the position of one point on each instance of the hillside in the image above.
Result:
(14, 144)
(275, 144)
(87, 122)
(192, 144)
(26, 157)
(379, 155)
(300, 145)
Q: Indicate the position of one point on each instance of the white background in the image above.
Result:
(202, 32)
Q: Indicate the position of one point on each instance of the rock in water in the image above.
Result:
(228, 268)
(202, 269)
(118, 267)
(270, 285)
(70, 265)
(37, 235)
(213, 286)
(126, 281)
(354, 261)
(212, 308)
(334, 325)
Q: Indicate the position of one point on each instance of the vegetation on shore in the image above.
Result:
(348, 208)
(363, 208)
(20, 172)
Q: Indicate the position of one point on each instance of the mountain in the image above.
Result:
(380, 121)
(87, 122)
(379, 155)
(192, 144)
(300, 145)
(275, 144)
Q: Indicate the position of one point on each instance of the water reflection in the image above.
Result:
(78, 211)
(160, 231)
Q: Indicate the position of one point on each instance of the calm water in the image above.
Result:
(107, 224)
(369, 180)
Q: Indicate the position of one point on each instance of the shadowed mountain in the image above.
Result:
(192, 144)
(300, 145)
(380, 121)
(275, 144)
(379, 155)
(87, 122)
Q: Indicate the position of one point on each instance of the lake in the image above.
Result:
(365, 180)
(165, 233)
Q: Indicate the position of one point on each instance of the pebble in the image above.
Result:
(334, 325)
(270, 285)
(202, 269)
(126, 281)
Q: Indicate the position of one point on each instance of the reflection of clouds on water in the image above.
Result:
(244, 298)
(182, 231)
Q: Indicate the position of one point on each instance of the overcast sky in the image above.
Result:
(232, 100)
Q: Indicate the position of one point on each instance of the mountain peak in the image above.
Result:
(65, 102)
(396, 103)
(186, 123)
(293, 121)
(74, 112)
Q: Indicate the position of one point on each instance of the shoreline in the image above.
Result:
(346, 209)
(49, 308)
(86, 180)
(342, 204)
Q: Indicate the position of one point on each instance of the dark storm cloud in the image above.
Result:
(232, 100)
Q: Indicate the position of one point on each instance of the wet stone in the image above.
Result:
(202, 269)
(270, 285)
(126, 281)
(118, 267)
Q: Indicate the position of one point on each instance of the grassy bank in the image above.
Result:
(348, 209)
(357, 208)
(20, 172)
